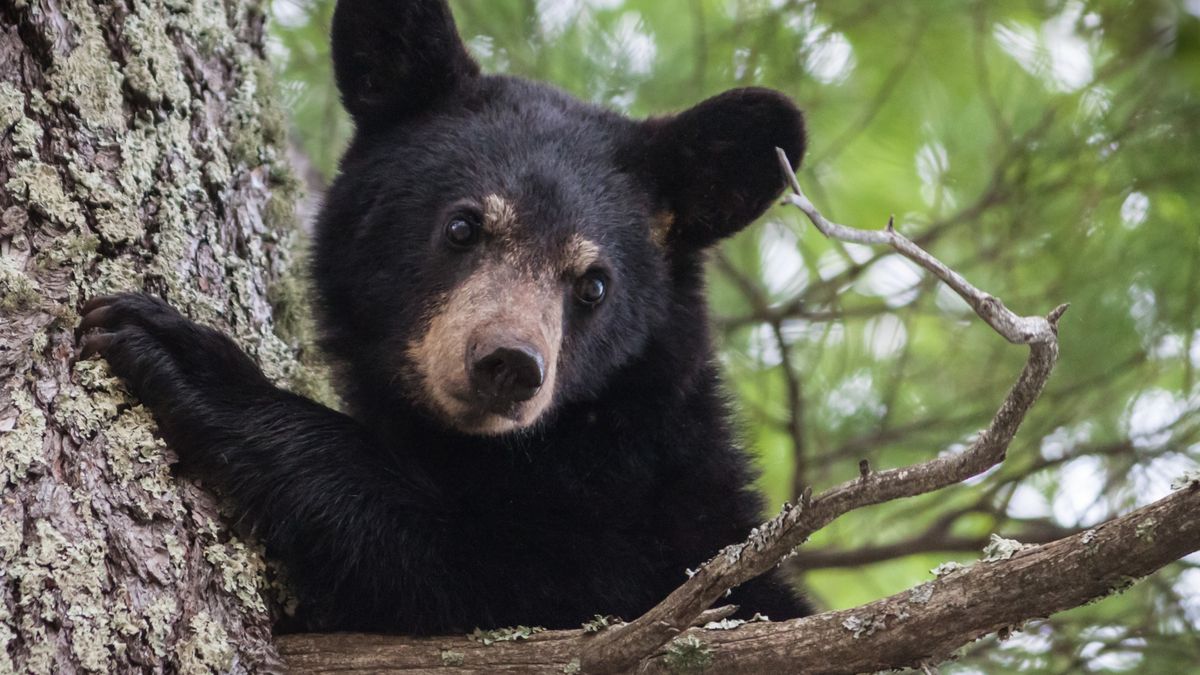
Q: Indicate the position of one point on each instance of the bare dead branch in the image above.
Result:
(619, 651)
(916, 628)
(1016, 329)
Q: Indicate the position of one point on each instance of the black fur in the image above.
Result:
(387, 520)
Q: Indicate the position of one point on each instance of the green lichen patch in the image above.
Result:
(730, 624)
(11, 537)
(289, 310)
(113, 210)
(87, 413)
(452, 658)
(141, 154)
(242, 572)
(112, 275)
(71, 251)
(154, 70)
(21, 445)
(26, 135)
(259, 126)
(866, 626)
(1187, 480)
(12, 106)
(18, 292)
(1145, 530)
(573, 668)
(489, 637)
(601, 623)
(88, 78)
(39, 186)
(124, 623)
(7, 637)
(688, 654)
(41, 657)
(1000, 548)
(922, 594)
(175, 551)
(206, 649)
(217, 173)
(274, 120)
(247, 141)
(294, 325)
(947, 568)
(131, 448)
(280, 210)
(863, 626)
(94, 376)
(135, 457)
(67, 572)
(160, 619)
(203, 19)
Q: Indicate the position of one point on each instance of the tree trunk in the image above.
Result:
(140, 149)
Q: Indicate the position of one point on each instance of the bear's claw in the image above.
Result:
(96, 343)
(95, 318)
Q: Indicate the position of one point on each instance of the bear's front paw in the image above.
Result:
(167, 359)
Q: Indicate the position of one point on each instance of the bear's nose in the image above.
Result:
(509, 375)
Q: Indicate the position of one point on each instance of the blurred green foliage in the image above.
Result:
(1048, 150)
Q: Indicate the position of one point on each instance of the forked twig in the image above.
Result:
(622, 649)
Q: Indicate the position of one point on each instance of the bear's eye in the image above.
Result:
(591, 288)
(462, 231)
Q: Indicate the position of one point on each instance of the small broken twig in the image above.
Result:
(621, 650)
(1016, 329)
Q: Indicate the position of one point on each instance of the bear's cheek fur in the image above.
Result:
(498, 303)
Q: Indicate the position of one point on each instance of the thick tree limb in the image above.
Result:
(924, 624)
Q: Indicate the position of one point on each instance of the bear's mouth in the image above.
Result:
(474, 415)
(476, 406)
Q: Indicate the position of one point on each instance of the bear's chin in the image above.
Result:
(490, 425)
(453, 408)
(477, 421)
(487, 424)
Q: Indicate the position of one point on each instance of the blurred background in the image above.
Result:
(1049, 151)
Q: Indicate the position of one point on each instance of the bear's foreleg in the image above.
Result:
(360, 535)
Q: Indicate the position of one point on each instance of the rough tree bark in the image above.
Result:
(139, 150)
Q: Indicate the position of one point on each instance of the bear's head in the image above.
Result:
(495, 249)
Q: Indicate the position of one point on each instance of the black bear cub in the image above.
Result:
(511, 282)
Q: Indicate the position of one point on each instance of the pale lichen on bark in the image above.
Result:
(140, 149)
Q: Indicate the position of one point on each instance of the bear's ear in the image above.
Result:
(392, 58)
(714, 168)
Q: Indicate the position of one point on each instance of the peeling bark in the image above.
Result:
(140, 149)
